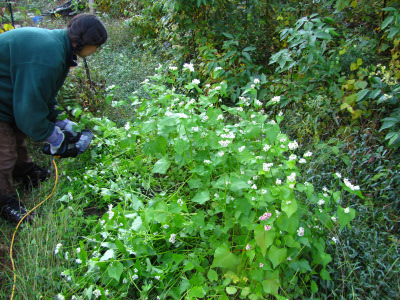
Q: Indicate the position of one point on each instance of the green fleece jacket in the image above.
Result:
(34, 63)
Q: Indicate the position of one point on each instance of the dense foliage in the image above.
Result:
(257, 159)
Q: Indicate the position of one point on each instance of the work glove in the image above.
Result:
(71, 146)
(67, 125)
(55, 140)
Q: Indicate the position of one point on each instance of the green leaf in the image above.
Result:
(263, 238)
(115, 270)
(212, 275)
(345, 217)
(196, 292)
(323, 35)
(362, 94)
(325, 275)
(289, 206)
(202, 197)
(249, 49)
(302, 265)
(224, 258)
(314, 287)
(271, 284)
(387, 21)
(359, 85)
(161, 166)
(375, 93)
(272, 132)
(276, 255)
(231, 290)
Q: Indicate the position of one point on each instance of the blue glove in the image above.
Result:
(67, 125)
(55, 140)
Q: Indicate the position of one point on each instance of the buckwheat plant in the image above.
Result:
(203, 200)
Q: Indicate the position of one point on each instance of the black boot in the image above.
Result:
(32, 175)
(14, 211)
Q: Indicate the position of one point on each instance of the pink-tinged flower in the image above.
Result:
(267, 227)
(265, 216)
(248, 247)
(261, 265)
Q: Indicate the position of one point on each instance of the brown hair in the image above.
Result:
(86, 29)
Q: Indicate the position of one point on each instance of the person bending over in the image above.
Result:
(34, 63)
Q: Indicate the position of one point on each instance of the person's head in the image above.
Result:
(86, 33)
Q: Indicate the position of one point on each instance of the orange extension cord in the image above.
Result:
(19, 223)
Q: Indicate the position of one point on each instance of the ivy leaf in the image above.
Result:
(276, 255)
(161, 166)
(115, 270)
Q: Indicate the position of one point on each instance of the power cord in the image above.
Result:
(19, 223)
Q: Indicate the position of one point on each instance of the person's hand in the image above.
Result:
(55, 140)
(67, 125)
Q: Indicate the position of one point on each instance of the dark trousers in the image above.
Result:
(14, 158)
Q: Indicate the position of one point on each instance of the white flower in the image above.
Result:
(196, 81)
(254, 187)
(338, 175)
(261, 265)
(166, 226)
(321, 202)
(224, 143)
(173, 68)
(180, 202)
(278, 181)
(267, 166)
(292, 157)
(259, 103)
(207, 162)
(346, 210)
(307, 154)
(302, 161)
(135, 270)
(188, 67)
(134, 277)
(280, 114)
(350, 186)
(300, 231)
(263, 191)
(266, 148)
(293, 145)
(60, 297)
(157, 277)
(334, 219)
(78, 261)
(97, 293)
(195, 129)
(248, 247)
(127, 126)
(58, 246)
(241, 148)
(291, 177)
(256, 80)
(109, 88)
(217, 69)
(220, 117)
(276, 99)
(172, 238)
(221, 153)
(335, 240)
